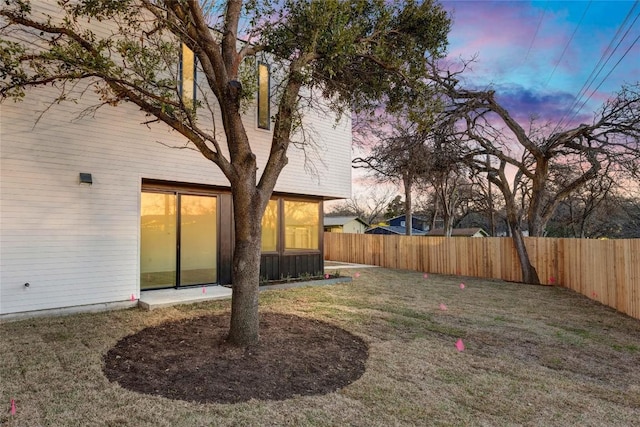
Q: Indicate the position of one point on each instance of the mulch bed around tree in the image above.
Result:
(189, 360)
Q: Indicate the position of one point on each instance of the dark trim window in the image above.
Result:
(264, 96)
(187, 76)
(301, 225)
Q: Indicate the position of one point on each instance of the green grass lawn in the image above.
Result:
(534, 356)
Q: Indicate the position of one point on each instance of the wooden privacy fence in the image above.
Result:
(604, 270)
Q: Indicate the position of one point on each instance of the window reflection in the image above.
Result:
(198, 240)
(270, 227)
(157, 240)
(263, 96)
(302, 221)
(187, 76)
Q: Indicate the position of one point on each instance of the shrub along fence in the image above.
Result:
(604, 270)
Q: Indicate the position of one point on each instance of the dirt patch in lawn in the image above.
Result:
(189, 360)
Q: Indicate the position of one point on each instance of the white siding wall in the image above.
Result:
(77, 244)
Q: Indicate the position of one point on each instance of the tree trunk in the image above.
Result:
(447, 215)
(408, 218)
(448, 224)
(529, 273)
(536, 226)
(492, 214)
(250, 200)
(434, 218)
(538, 190)
(244, 326)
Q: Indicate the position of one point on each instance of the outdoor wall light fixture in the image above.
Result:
(86, 178)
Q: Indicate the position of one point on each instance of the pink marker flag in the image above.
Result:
(461, 285)
(443, 307)
(356, 275)
(425, 275)
(204, 290)
(326, 276)
(552, 279)
(459, 345)
(13, 407)
(133, 297)
(595, 295)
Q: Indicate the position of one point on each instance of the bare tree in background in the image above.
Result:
(448, 178)
(400, 156)
(606, 207)
(580, 207)
(368, 206)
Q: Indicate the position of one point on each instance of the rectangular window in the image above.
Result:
(187, 76)
(270, 227)
(264, 119)
(302, 224)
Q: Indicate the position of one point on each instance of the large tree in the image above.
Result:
(353, 53)
(522, 158)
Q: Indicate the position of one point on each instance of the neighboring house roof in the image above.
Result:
(460, 232)
(416, 217)
(394, 229)
(341, 220)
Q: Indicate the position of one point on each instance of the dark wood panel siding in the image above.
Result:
(270, 267)
(302, 264)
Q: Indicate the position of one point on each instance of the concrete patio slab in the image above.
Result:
(150, 300)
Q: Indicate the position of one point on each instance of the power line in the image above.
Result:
(606, 77)
(568, 43)
(599, 67)
(602, 68)
(544, 11)
(608, 53)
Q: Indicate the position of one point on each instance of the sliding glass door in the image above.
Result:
(198, 240)
(178, 240)
(158, 236)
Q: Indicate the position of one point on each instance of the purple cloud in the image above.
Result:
(546, 106)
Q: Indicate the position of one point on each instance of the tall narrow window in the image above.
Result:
(264, 119)
(187, 76)
(270, 227)
(302, 225)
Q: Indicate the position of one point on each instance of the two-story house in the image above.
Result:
(97, 208)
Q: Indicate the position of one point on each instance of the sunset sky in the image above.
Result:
(544, 58)
(538, 55)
